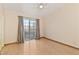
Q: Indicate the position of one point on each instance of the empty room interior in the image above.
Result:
(39, 28)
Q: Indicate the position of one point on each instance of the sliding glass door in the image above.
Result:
(30, 28)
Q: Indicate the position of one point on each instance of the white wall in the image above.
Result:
(63, 25)
(1, 27)
(12, 11)
(11, 26)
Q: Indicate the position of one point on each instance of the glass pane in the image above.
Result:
(32, 29)
(29, 28)
(26, 28)
(26, 25)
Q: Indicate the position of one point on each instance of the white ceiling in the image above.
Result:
(33, 8)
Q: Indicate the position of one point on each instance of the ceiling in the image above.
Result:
(33, 8)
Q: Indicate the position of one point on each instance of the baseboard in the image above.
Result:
(16, 42)
(42, 37)
(10, 43)
(48, 39)
(61, 43)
